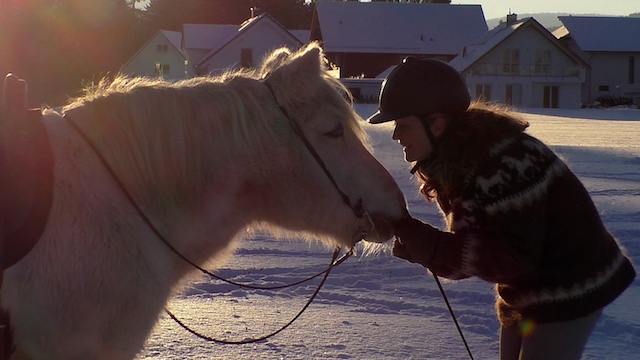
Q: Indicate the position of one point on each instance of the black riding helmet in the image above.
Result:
(421, 87)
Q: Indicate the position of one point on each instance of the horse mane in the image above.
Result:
(158, 134)
(161, 137)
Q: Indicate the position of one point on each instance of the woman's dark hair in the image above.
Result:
(463, 145)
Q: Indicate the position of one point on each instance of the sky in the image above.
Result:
(500, 8)
(378, 307)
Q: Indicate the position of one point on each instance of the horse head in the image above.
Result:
(340, 181)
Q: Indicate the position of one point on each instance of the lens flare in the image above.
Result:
(527, 327)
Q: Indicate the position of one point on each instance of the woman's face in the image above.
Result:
(410, 133)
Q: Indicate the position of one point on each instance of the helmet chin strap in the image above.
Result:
(432, 140)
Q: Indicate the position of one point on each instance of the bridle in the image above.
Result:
(358, 209)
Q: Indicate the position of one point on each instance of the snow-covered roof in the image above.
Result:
(302, 35)
(174, 37)
(560, 32)
(600, 33)
(400, 28)
(207, 36)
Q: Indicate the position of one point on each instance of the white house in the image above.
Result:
(521, 63)
(611, 48)
(211, 48)
(161, 56)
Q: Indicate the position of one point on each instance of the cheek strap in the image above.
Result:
(432, 140)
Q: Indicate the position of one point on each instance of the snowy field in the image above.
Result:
(379, 307)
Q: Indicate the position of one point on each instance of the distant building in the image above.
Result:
(202, 49)
(611, 48)
(254, 39)
(522, 64)
(365, 38)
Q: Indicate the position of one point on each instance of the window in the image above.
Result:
(550, 97)
(162, 48)
(603, 88)
(511, 61)
(483, 92)
(542, 62)
(162, 70)
(246, 58)
(632, 69)
(513, 94)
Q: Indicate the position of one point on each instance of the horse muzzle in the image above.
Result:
(373, 228)
(377, 229)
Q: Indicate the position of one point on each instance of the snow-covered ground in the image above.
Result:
(380, 307)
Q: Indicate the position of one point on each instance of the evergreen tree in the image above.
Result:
(292, 14)
(55, 44)
(171, 14)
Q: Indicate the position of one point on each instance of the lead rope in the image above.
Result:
(453, 316)
(254, 340)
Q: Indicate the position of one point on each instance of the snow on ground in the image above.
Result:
(379, 307)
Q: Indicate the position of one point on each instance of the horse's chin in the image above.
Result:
(382, 231)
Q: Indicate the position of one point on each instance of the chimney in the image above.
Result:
(511, 19)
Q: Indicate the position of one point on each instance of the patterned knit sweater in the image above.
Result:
(525, 222)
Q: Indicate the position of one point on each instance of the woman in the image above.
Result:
(516, 215)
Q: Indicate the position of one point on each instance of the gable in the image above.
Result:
(396, 28)
(258, 36)
(163, 49)
(600, 33)
(527, 35)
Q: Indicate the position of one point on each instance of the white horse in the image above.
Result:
(206, 159)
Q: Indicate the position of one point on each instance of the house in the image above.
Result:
(522, 64)
(365, 38)
(199, 39)
(202, 49)
(254, 39)
(161, 56)
(611, 48)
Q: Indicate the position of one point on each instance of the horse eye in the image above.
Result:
(337, 132)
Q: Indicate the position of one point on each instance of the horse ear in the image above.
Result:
(273, 61)
(307, 64)
(296, 75)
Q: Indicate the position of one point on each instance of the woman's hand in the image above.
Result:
(415, 241)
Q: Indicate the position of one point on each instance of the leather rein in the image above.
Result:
(357, 208)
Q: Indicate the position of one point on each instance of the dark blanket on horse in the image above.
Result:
(26, 180)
